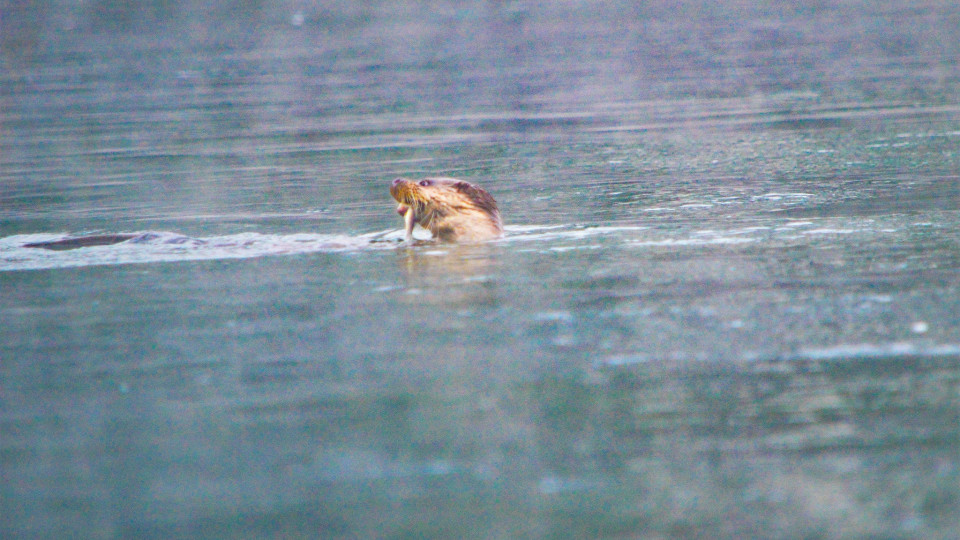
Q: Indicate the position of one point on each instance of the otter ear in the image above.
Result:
(463, 187)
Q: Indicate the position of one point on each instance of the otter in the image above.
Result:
(453, 210)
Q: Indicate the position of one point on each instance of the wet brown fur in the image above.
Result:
(453, 210)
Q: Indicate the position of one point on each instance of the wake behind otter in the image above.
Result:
(42, 251)
(148, 247)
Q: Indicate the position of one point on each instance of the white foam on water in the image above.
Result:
(885, 350)
(830, 231)
(693, 241)
(855, 351)
(777, 196)
(532, 233)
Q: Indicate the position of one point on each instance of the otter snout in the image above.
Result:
(396, 186)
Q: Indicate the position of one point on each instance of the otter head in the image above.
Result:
(453, 210)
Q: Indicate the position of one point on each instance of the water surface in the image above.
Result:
(725, 304)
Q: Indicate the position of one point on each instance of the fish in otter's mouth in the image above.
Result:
(453, 210)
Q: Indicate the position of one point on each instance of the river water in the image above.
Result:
(726, 303)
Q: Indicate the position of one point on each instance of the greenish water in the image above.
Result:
(725, 305)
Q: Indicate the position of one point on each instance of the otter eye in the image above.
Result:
(426, 183)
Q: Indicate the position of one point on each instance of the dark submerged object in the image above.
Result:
(84, 241)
